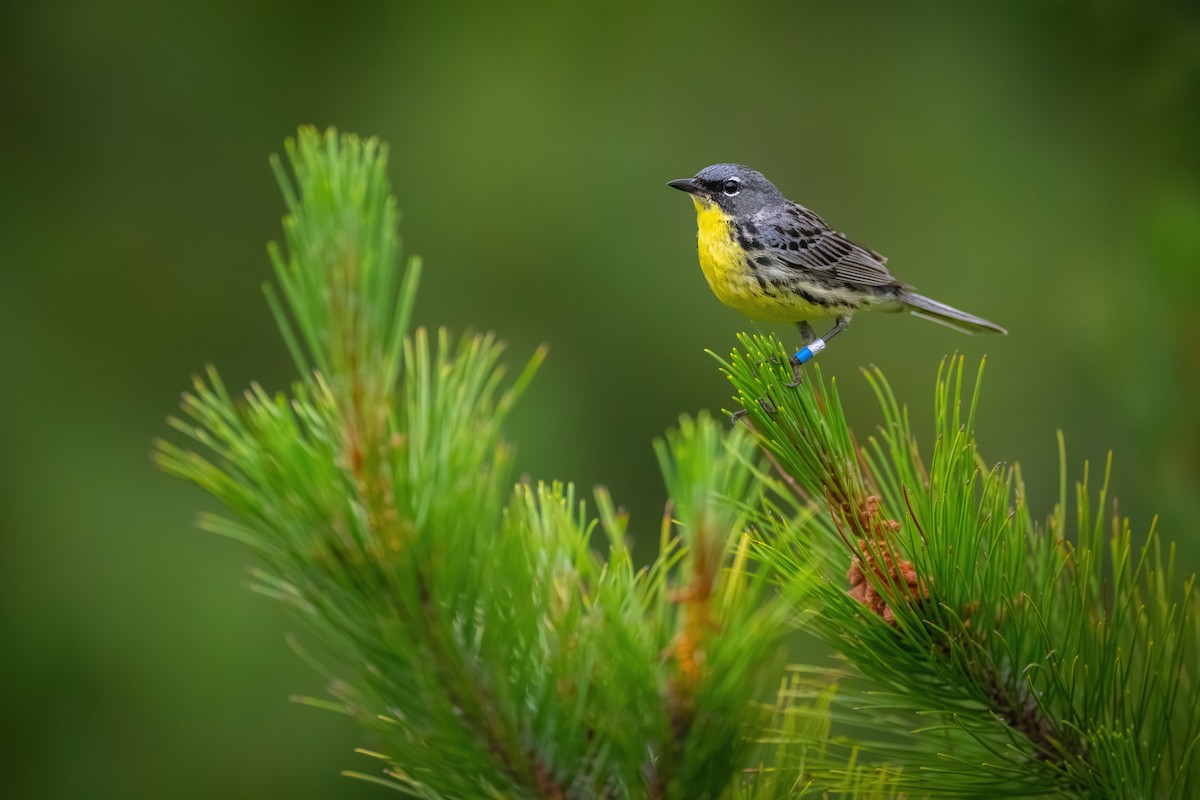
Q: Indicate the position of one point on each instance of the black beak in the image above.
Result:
(688, 185)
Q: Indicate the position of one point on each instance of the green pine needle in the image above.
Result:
(1025, 659)
(469, 625)
(495, 640)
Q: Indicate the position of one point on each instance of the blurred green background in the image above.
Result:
(1037, 163)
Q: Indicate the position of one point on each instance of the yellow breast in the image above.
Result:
(733, 281)
(722, 260)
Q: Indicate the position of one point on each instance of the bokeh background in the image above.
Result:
(1035, 162)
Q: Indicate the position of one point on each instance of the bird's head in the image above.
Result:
(736, 190)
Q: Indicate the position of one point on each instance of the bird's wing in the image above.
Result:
(800, 239)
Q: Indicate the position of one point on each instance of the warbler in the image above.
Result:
(775, 260)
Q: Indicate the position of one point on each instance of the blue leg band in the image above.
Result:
(805, 354)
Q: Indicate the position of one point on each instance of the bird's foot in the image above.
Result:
(796, 371)
(763, 402)
(802, 357)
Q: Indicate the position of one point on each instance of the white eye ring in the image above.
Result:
(732, 187)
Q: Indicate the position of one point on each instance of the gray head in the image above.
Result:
(735, 189)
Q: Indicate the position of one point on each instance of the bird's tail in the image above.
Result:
(922, 306)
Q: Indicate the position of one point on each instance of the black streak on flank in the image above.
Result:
(758, 276)
(807, 297)
(763, 261)
(742, 241)
(762, 284)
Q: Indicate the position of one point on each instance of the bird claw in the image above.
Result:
(763, 402)
(797, 364)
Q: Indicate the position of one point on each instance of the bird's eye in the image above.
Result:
(732, 187)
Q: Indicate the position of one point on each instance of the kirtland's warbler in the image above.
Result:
(775, 260)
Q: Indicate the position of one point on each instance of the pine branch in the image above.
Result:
(1039, 660)
(489, 650)
(468, 624)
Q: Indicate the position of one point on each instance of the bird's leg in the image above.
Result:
(807, 337)
(807, 334)
(813, 346)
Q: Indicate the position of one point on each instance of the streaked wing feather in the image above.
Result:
(801, 239)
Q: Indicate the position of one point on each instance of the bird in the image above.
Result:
(775, 260)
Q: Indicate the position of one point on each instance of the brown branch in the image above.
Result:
(1017, 706)
(689, 654)
(480, 715)
(783, 473)
(479, 710)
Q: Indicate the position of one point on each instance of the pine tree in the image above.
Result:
(497, 640)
